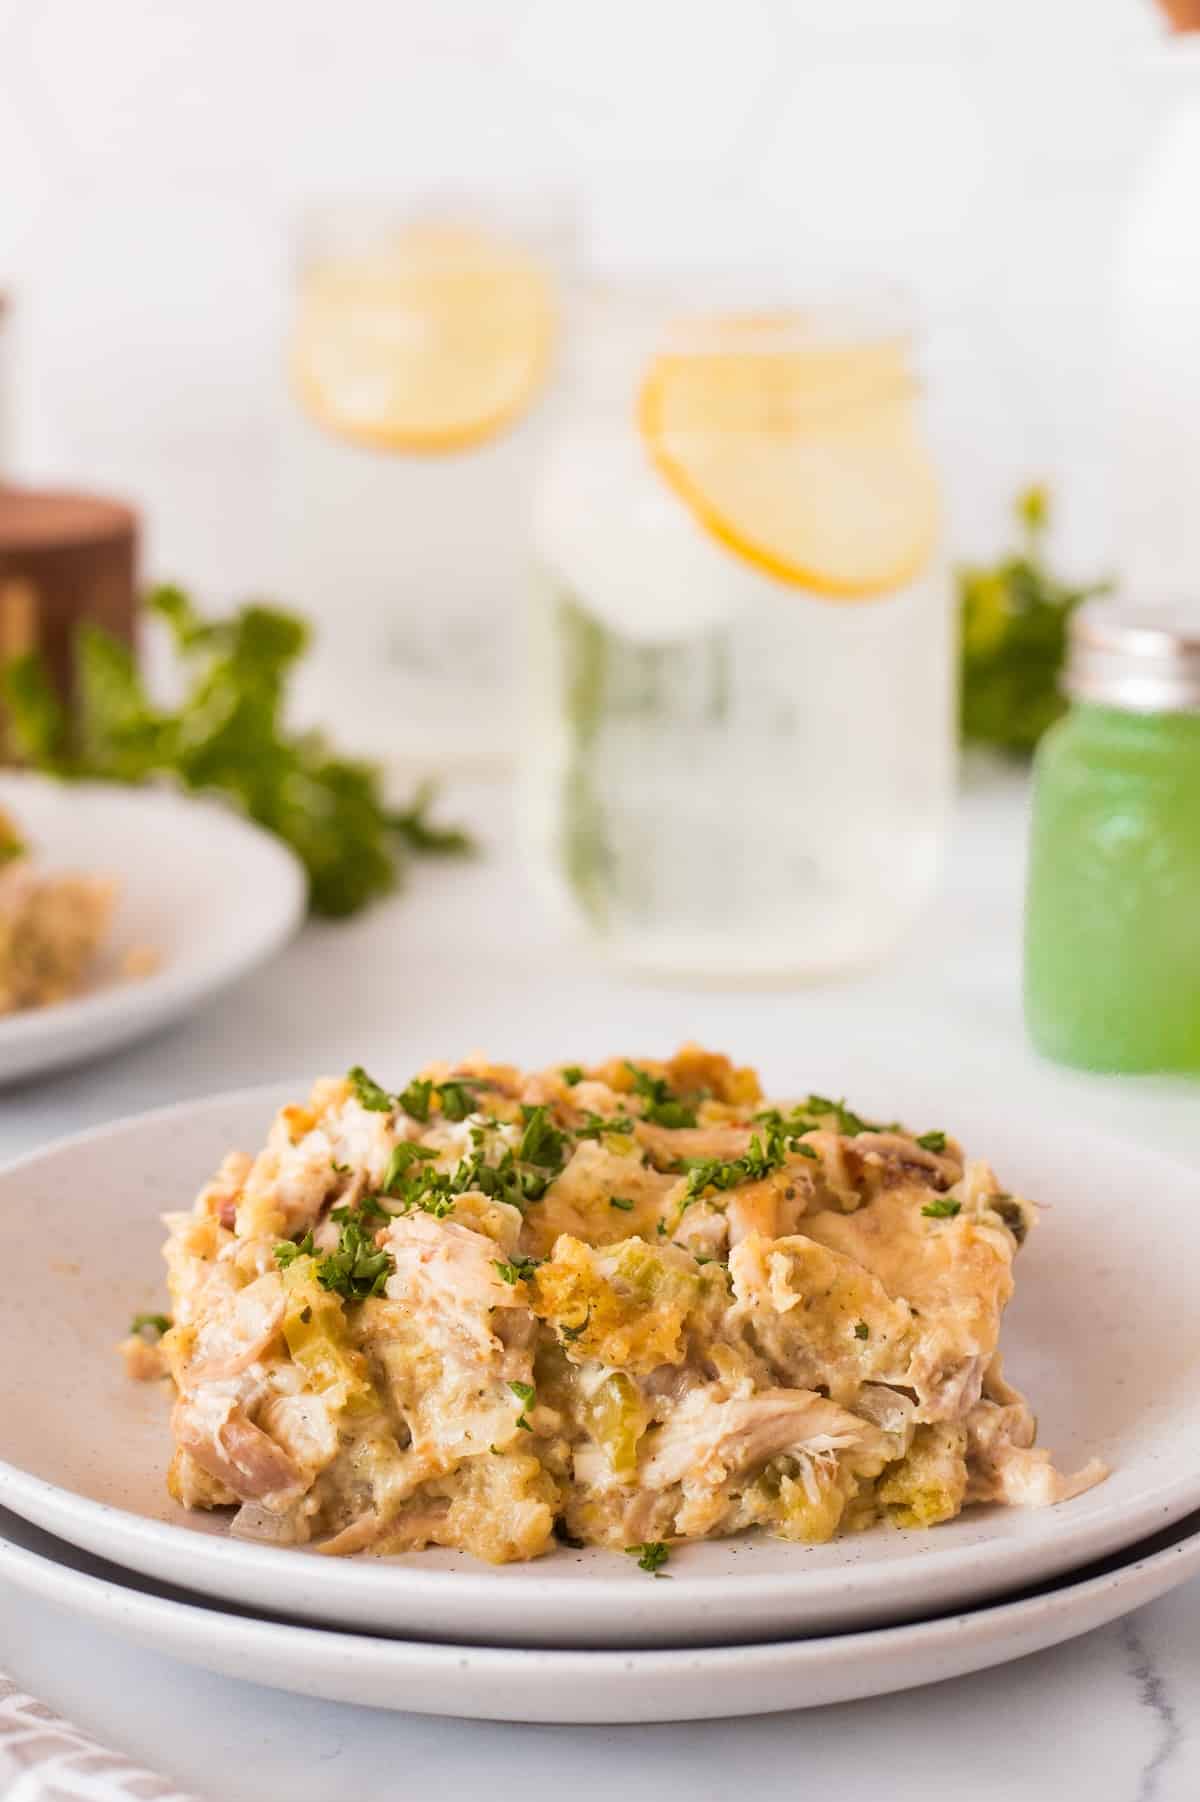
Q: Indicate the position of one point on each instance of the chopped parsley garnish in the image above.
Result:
(596, 1125)
(572, 1073)
(416, 1097)
(354, 1271)
(339, 1169)
(369, 1208)
(291, 1249)
(942, 1208)
(572, 1333)
(158, 1324)
(541, 1142)
(862, 1330)
(660, 1103)
(513, 1269)
(651, 1556)
(526, 1394)
(621, 1201)
(767, 1152)
(848, 1122)
(792, 1127)
(458, 1098)
(368, 1092)
(404, 1156)
(932, 1141)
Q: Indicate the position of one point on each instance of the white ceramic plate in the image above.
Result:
(1102, 1334)
(207, 892)
(508, 1684)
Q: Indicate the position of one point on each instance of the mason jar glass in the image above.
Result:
(421, 357)
(740, 747)
(1112, 918)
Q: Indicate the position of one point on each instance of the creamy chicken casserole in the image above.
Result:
(625, 1305)
(51, 926)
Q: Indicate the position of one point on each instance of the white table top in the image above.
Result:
(465, 958)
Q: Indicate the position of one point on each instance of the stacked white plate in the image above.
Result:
(1101, 1335)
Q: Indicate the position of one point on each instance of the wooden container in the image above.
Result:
(64, 558)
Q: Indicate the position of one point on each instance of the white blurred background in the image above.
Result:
(154, 155)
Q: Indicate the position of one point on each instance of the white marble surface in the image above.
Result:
(465, 957)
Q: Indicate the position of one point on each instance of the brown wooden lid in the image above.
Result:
(1183, 14)
(35, 519)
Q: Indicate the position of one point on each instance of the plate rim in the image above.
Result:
(152, 1547)
(987, 1627)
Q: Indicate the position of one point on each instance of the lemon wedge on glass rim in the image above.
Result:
(799, 454)
(435, 341)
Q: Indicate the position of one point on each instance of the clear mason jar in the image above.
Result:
(422, 354)
(740, 745)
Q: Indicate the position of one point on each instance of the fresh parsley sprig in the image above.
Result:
(1014, 618)
(651, 1556)
(660, 1103)
(526, 1394)
(943, 1207)
(227, 736)
(158, 1324)
(355, 1270)
(513, 1270)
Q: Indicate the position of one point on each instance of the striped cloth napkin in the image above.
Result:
(44, 1759)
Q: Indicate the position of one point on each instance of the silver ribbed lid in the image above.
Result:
(1143, 658)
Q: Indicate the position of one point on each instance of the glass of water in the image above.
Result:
(423, 346)
(740, 731)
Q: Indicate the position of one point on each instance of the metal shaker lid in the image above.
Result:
(1143, 658)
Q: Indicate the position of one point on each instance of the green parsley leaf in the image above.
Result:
(572, 1073)
(416, 1097)
(943, 1208)
(1014, 619)
(660, 1102)
(651, 1556)
(620, 1201)
(541, 1142)
(339, 1169)
(368, 1093)
(290, 1249)
(228, 735)
(767, 1152)
(932, 1141)
(526, 1394)
(156, 1323)
(356, 1270)
(368, 1207)
(849, 1124)
(572, 1333)
(862, 1330)
(412, 826)
(458, 1098)
(595, 1126)
(403, 1156)
(516, 1267)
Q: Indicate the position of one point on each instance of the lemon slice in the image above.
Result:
(802, 459)
(434, 342)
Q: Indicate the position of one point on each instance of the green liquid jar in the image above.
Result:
(1112, 917)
